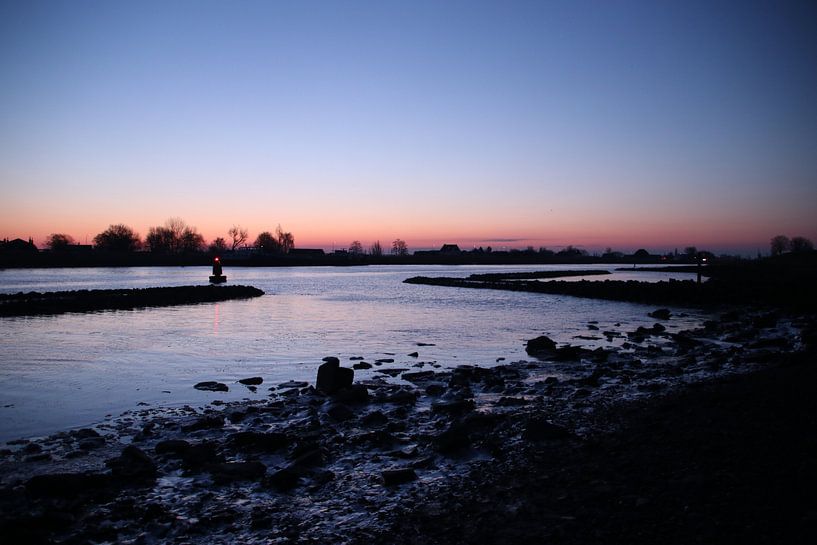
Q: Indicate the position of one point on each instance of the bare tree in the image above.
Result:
(356, 248)
(398, 247)
(376, 249)
(801, 245)
(59, 241)
(238, 235)
(780, 244)
(118, 238)
(285, 239)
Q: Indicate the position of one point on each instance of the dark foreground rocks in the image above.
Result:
(58, 302)
(729, 462)
(694, 439)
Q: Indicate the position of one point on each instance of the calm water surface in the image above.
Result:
(75, 369)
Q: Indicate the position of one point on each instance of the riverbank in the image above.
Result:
(781, 282)
(423, 454)
(59, 302)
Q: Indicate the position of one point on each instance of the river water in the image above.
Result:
(73, 370)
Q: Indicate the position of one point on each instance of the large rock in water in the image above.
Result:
(540, 345)
(332, 377)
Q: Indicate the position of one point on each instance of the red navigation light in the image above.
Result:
(217, 259)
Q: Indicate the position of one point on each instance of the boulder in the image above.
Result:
(332, 377)
(171, 446)
(660, 314)
(362, 365)
(211, 386)
(252, 381)
(539, 345)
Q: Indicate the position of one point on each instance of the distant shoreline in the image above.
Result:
(146, 259)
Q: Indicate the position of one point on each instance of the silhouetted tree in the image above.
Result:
(218, 246)
(398, 247)
(356, 248)
(801, 245)
(174, 237)
(191, 241)
(238, 236)
(266, 242)
(159, 240)
(780, 244)
(376, 249)
(285, 239)
(118, 238)
(59, 241)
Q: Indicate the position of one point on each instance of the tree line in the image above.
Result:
(176, 237)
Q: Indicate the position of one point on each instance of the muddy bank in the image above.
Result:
(674, 292)
(784, 282)
(58, 302)
(563, 443)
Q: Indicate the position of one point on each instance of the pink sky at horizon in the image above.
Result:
(725, 234)
(506, 124)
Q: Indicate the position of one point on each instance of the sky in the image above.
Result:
(598, 124)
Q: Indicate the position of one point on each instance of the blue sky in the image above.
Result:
(599, 124)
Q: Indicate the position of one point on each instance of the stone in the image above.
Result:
(362, 365)
(435, 390)
(393, 477)
(414, 355)
(340, 413)
(205, 423)
(374, 419)
(171, 446)
(132, 465)
(454, 439)
(355, 394)
(332, 377)
(200, 455)
(660, 314)
(284, 479)
(211, 386)
(252, 381)
(86, 433)
(540, 344)
(259, 441)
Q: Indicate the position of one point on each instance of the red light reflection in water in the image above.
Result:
(215, 320)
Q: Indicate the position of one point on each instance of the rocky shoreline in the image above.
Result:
(59, 302)
(559, 445)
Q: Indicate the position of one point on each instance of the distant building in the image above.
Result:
(450, 249)
(18, 245)
(307, 252)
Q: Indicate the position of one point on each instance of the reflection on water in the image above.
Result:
(73, 369)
